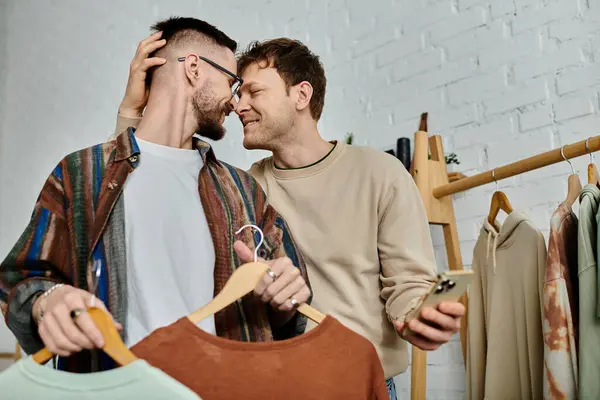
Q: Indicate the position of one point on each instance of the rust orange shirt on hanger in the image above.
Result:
(329, 362)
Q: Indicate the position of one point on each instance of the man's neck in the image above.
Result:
(164, 122)
(305, 149)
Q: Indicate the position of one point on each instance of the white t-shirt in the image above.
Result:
(170, 252)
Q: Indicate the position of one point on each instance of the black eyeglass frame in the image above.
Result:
(239, 81)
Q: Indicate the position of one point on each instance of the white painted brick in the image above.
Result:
(568, 55)
(595, 42)
(395, 93)
(537, 118)
(539, 16)
(573, 28)
(485, 133)
(451, 118)
(470, 157)
(441, 259)
(468, 246)
(417, 64)
(520, 47)
(382, 36)
(579, 78)
(466, 4)
(516, 148)
(499, 8)
(532, 92)
(471, 42)
(577, 129)
(476, 88)
(572, 107)
(450, 73)
(468, 229)
(423, 18)
(398, 49)
(456, 24)
(527, 5)
(431, 102)
(471, 206)
(397, 11)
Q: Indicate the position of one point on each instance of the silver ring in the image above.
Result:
(76, 312)
(272, 274)
(294, 302)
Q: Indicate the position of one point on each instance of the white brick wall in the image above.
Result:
(501, 80)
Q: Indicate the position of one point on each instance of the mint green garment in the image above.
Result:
(589, 324)
(27, 380)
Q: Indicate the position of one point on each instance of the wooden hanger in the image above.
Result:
(592, 171)
(499, 202)
(113, 345)
(242, 281)
(574, 187)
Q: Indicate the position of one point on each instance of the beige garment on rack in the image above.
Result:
(505, 345)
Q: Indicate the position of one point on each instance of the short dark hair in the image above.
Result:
(175, 29)
(294, 62)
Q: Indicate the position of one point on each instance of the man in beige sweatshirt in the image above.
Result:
(355, 212)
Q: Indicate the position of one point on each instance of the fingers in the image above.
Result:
(454, 309)
(75, 300)
(421, 342)
(428, 332)
(243, 251)
(56, 341)
(281, 299)
(93, 301)
(286, 273)
(150, 44)
(141, 63)
(70, 329)
(152, 38)
(445, 322)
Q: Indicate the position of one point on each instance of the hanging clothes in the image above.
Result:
(589, 324)
(329, 362)
(505, 347)
(560, 307)
(28, 380)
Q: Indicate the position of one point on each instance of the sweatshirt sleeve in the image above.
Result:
(404, 243)
(124, 123)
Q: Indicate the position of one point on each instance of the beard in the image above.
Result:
(208, 113)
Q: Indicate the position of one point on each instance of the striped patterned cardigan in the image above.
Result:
(78, 225)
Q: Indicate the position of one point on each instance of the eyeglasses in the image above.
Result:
(237, 83)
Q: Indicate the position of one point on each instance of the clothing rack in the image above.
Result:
(432, 181)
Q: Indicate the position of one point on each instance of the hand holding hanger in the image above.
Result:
(282, 286)
(63, 324)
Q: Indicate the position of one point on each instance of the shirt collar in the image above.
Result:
(127, 147)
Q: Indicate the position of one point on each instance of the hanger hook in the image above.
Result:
(494, 177)
(587, 148)
(562, 153)
(259, 243)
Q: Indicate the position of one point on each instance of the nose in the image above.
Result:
(242, 107)
(233, 103)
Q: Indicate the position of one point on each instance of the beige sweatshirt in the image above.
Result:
(360, 224)
(505, 352)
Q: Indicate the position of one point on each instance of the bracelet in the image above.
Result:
(46, 294)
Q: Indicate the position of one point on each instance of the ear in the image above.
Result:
(304, 91)
(192, 69)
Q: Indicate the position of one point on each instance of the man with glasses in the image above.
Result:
(146, 223)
